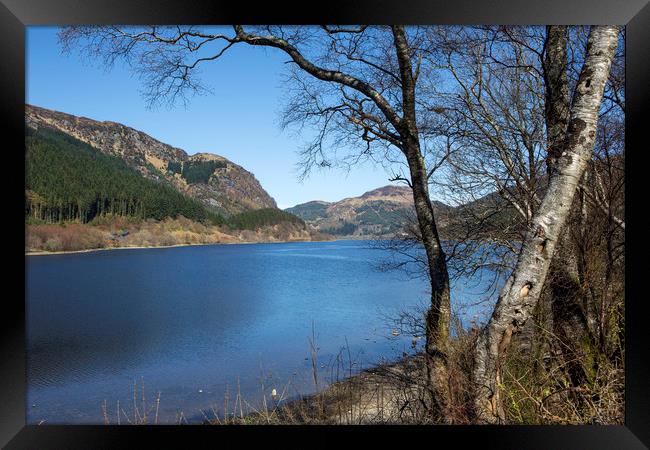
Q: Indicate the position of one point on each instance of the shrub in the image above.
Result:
(53, 245)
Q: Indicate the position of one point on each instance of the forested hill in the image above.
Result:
(213, 180)
(78, 198)
(69, 180)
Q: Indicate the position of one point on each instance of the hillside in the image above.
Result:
(79, 198)
(381, 212)
(68, 180)
(211, 179)
(386, 211)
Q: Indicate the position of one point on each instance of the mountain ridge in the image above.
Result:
(382, 211)
(388, 212)
(221, 184)
(79, 198)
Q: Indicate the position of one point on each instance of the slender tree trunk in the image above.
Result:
(569, 321)
(557, 101)
(521, 292)
(439, 313)
(438, 316)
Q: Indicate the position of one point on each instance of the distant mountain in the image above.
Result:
(382, 211)
(388, 210)
(223, 186)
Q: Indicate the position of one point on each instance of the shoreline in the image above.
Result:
(126, 247)
(376, 394)
(139, 247)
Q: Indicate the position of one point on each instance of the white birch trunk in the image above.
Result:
(521, 292)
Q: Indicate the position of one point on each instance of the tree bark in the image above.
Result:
(521, 292)
(569, 321)
(556, 95)
(438, 316)
(439, 313)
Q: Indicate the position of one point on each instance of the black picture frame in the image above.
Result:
(15, 15)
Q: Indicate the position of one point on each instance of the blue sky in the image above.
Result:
(239, 119)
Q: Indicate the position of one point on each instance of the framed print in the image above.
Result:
(367, 220)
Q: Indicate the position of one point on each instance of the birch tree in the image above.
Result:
(567, 314)
(522, 289)
(508, 116)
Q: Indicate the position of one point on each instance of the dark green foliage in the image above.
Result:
(153, 171)
(68, 180)
(200, 171)
(310, 210)
(175, 167)
(195, 171)
(346, 229)
(251, 220)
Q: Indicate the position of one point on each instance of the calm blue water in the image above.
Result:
(192, 322)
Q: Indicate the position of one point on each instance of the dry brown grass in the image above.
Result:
(54, 238)
(541, 392)
(103, 231)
